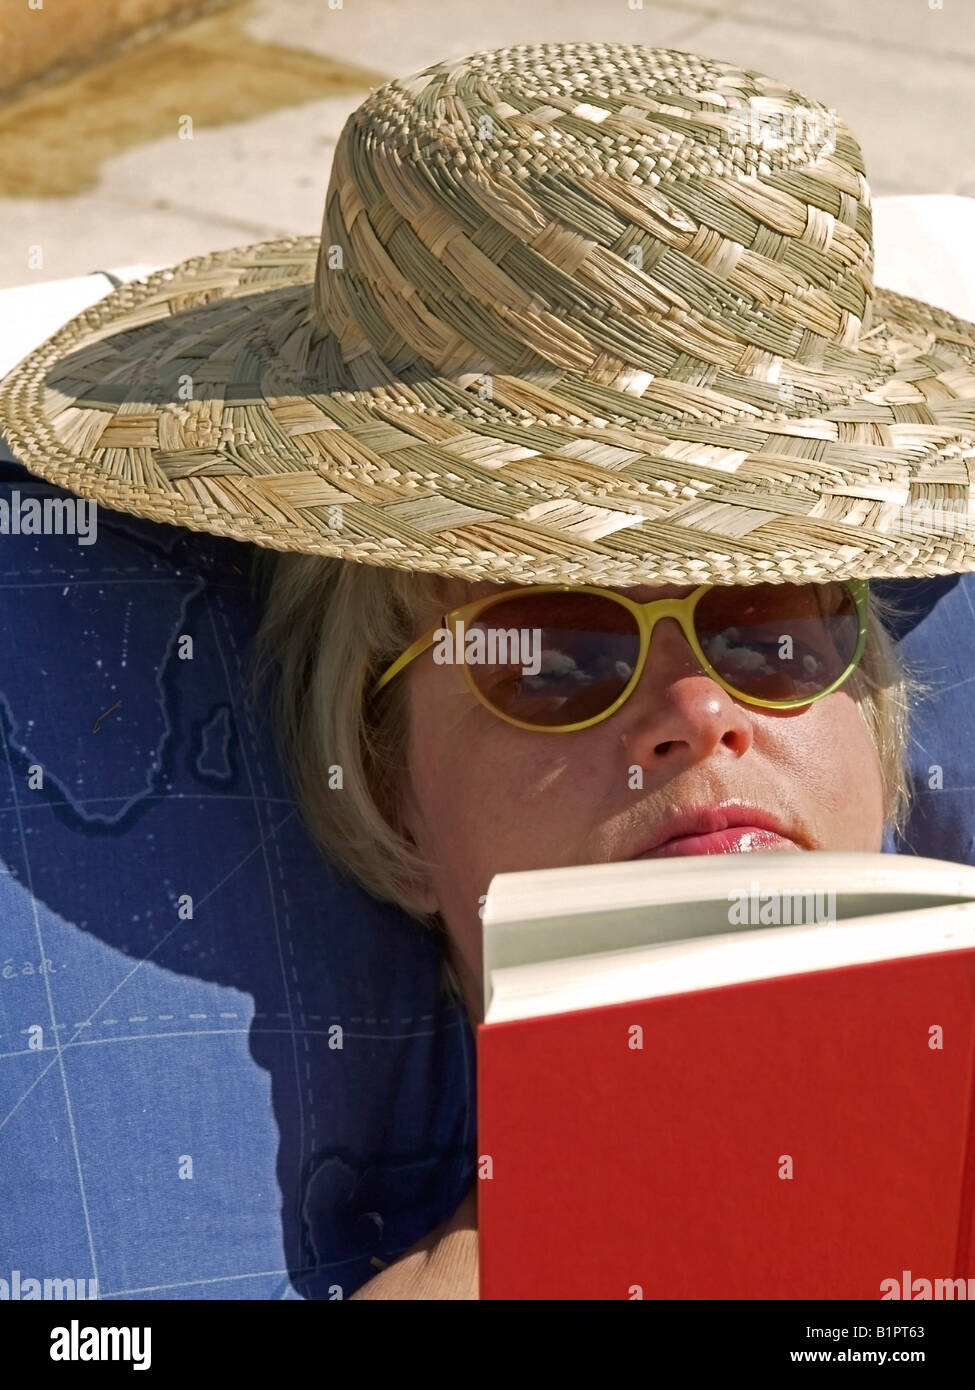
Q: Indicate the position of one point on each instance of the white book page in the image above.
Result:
(550, 914)
(649, 972)
(537, 894)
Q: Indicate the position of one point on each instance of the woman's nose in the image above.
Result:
(677, 711)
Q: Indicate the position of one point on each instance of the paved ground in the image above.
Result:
(94, 174)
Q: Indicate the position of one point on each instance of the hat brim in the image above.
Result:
(204, 397)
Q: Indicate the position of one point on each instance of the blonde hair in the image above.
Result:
(330, 627)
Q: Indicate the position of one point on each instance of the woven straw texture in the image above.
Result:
(570, 319)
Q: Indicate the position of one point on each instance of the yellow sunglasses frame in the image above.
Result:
(647, 616)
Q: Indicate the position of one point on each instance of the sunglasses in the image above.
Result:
(558, 658)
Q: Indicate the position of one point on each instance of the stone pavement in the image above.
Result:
(94, 174)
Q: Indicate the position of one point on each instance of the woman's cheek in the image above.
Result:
(836, 769)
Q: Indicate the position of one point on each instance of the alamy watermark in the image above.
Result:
(933, 517)
(796, 126)
(753, 908)
(77, 1343)
(490, 646)
(49, 516)
(21, 1288)
(910, 1287)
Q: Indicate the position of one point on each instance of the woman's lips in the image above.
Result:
(737, 839)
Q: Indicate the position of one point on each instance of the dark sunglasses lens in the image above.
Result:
(553, 659)
(779, 641)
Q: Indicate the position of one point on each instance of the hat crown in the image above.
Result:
(619, 212)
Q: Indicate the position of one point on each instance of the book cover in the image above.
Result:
(803, 1136)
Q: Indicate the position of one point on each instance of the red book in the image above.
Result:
(776, 1113)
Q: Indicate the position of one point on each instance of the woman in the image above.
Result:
(592, 327)
(440, 793)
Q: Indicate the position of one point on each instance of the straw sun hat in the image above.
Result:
(580, 313)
